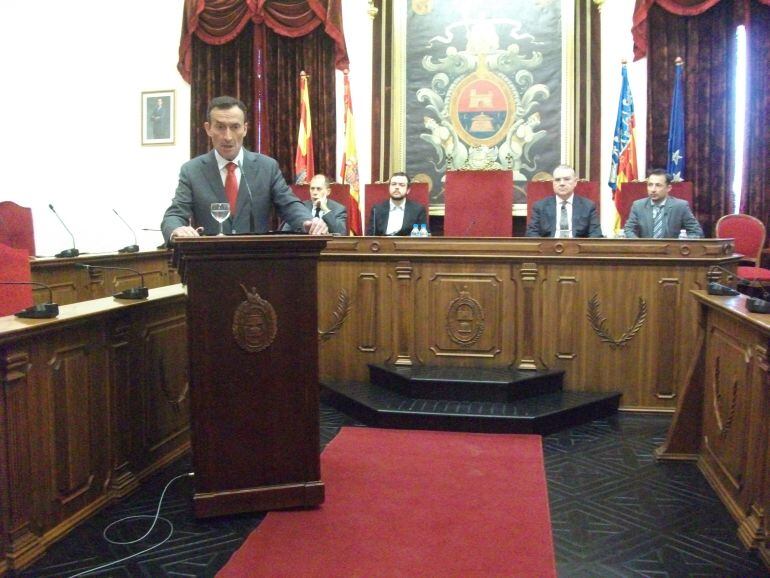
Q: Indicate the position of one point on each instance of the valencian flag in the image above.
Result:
(304, 168)
(675, 165)
(349, 172)
(623, 167)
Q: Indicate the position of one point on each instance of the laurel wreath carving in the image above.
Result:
(339, 314)
(598, 323)
(723, 424)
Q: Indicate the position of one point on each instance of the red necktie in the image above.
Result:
(231, 186)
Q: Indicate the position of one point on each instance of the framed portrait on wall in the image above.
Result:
(158, 112)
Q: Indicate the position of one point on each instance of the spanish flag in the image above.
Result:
(349, 172)
(624, 166)
(304, 169)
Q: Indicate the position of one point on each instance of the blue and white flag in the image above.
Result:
(676, 154)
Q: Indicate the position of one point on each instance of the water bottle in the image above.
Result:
(621, 234)
(415, 230)
(682, 233)
(424, 230)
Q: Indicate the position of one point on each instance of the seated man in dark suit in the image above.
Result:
(334, 214)
(397, 215)
(576, 216)
(660, 216)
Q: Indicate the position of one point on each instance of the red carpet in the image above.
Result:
(413, 503)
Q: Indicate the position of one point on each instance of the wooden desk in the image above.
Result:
(71, 284)
(723, 417)
(616, 314)
(91, 403)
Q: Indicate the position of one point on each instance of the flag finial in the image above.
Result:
(679, 61)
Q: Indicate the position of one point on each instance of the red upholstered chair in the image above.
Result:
(14, 266)
(749, 234)
(375, 193)
(478, 204)
(16, 227)
(537, 190)
(636, 190)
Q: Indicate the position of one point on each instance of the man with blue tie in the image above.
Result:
(575, 216)
(661, 216)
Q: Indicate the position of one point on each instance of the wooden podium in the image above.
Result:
(253, 348)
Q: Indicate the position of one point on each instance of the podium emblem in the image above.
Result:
(465, 319)
(254, 322)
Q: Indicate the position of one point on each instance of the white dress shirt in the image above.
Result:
(395, 218)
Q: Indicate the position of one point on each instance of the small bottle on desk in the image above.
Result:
(682, 233)
(424, 230)
(415, 230)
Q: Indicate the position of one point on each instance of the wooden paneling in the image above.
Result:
(723, 418)
(71, 283)
(73, 439)
(614, 314)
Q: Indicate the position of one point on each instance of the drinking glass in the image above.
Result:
(220, 211)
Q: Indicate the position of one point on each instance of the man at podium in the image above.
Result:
(250, 182)
(575, 216)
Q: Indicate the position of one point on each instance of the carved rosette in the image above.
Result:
(254, 322)
(465, 319)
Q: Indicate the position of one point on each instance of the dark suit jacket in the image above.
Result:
(200, 184)
(585, 219)
(676, 216)
(336, 219)
(414, 213)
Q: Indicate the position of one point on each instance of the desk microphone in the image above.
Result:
(140, 292)
(753, 304)
(67, 253)
(40, 311)
(251, 199)
(128, 248)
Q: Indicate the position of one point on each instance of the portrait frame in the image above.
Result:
(158, 117)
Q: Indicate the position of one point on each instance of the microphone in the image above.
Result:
(251, 199)
(67, 252)
(40, 311)
(753, 304)
(128, 248)
(374, 220)
(140, 292)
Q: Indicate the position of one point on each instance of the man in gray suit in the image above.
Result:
(576, 216)
(252, 183)
(660, 216)
(334, 214)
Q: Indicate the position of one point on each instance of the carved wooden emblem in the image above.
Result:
(340, 314)
(598, 323)
(724, 409)
(465, 319)
(254, 322)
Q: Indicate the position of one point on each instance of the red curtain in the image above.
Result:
(756, 189)
(254, 50)
(706, 42)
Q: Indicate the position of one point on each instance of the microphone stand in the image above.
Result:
(128, 248)
(38, 311)
(132, 292)
(67, 253)
(251, 199)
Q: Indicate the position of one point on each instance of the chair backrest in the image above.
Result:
(537, 190)
(14, 266)
(375, 193)
(16, 228)
(635, 190)
(749, 234)
(478, 204)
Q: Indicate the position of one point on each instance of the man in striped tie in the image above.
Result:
(661, 216)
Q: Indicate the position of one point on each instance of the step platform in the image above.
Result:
(468, 399)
